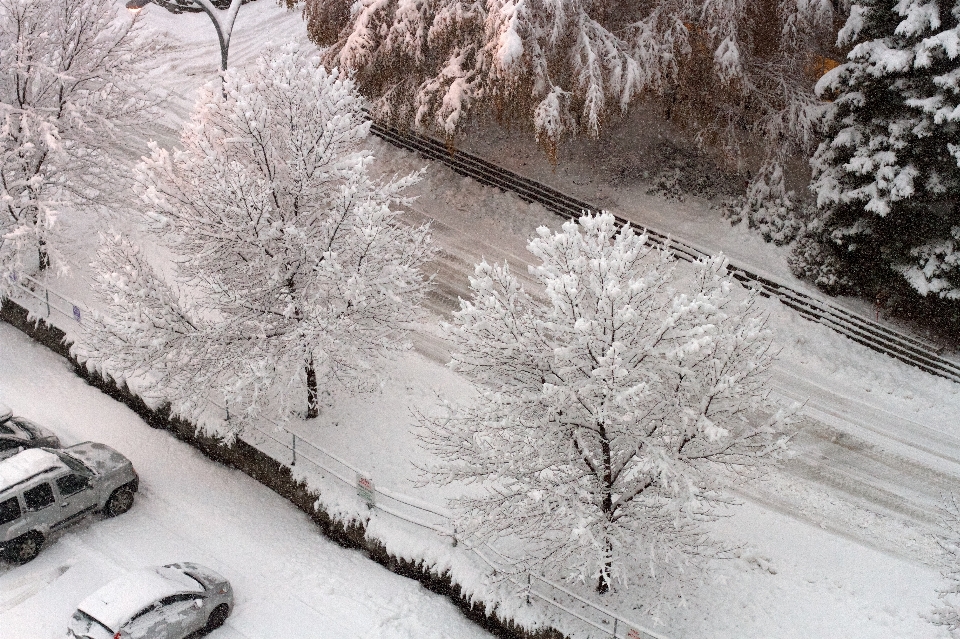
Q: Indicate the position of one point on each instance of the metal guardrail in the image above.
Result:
(862, 330)
(44, 301)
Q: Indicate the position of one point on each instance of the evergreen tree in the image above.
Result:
(732, 71)
(887, 174)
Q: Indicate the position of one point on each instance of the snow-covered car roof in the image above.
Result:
(26, 464)
(115, 603)
(5, 412)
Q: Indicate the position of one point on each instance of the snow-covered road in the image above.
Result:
(290, 581)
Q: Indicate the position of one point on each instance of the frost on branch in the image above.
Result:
(727, 68)
(291, 270)
(611, 410)
(70, 106)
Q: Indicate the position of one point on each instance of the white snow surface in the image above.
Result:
(25, 465)
(289, 580)
(841, 542)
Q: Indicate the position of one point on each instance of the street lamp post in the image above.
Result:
(222, 19)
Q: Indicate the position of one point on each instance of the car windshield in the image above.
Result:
(195, 578)
(88, 626)
(75, 464)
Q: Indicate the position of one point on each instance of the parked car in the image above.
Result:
(169, 602)
(43, 490)
(18, 434)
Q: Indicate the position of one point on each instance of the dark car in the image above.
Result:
(17, 434)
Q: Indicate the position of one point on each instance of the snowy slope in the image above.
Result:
(848, 525)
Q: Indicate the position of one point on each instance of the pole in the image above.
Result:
(46, 292)
(294, 462)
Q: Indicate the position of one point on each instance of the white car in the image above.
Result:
(169, 602)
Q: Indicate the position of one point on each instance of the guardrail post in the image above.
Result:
(46, 292)
(528, 587)
(294, 462)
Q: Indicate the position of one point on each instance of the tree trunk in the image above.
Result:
(606, 505)
(313, 400)
(603, 585)
(42, 255)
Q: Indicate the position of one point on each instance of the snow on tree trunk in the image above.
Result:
(886, 176)
(291, 266)
(610, 411)
(70, 104)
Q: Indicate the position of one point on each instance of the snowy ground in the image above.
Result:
(290, 581)
(840, 542)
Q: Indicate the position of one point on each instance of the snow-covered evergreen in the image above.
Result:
(69, 100)
(736, 72)
(886, 176)
(292, 268)
(612, 406)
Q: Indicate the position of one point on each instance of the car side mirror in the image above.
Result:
(198, 603)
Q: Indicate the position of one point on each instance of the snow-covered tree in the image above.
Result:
(222, 14)
(291, 268)
(611, 409)
(734, 71)
(947, 613)
(887, 175)
(70, 102)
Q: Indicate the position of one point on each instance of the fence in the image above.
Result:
(295, 451)
(44, 302)
(862, 330)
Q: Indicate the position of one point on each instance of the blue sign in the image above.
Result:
(76, 312)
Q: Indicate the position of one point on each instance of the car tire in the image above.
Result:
(120, 501)
(217, 618)
(24, 548)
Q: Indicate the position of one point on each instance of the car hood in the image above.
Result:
(99, 458)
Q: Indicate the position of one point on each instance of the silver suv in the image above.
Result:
(44, 490)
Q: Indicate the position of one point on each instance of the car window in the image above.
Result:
(40, 496)
(70, 484)
(75, 464)
(186, 596)
(142, 613)
(9, 510)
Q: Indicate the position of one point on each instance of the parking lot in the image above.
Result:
(289, 581)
